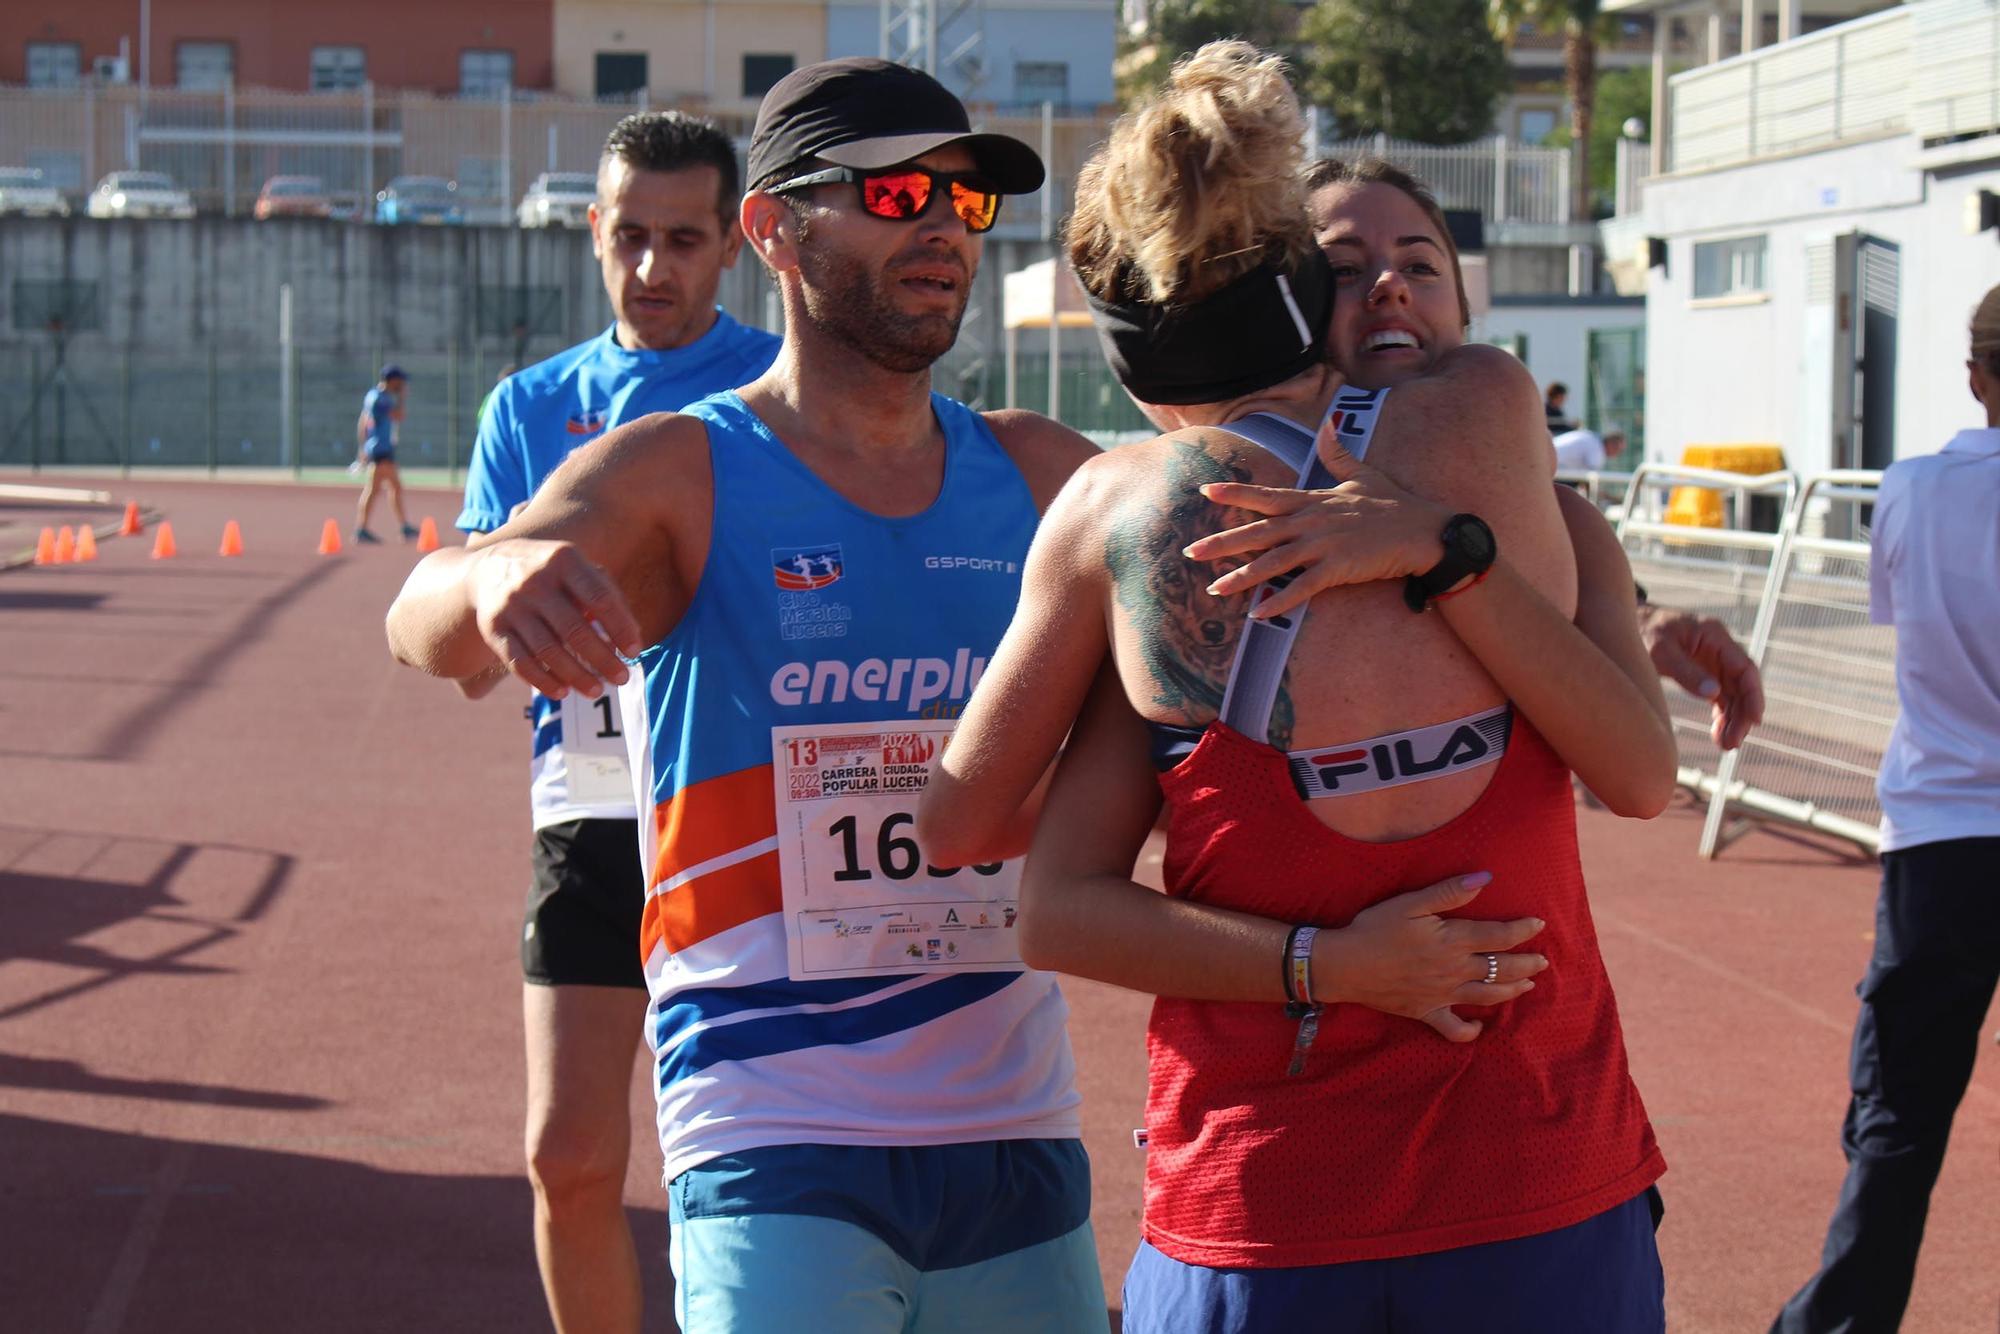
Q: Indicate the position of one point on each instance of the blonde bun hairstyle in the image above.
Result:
(1198, 185)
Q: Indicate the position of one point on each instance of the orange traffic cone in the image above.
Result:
(86, 544)
(163, 542)
(65, 545)
(45, 547)
(232, 539)
(329, 539)
(427, 535)
(131, 527)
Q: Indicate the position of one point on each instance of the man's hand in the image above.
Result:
(554, 619)
(1401, 957)
(1699, 653)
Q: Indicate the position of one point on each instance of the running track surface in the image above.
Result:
(259, 993)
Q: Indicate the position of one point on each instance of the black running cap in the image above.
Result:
(865, 113)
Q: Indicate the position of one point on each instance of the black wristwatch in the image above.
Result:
(1469, 549)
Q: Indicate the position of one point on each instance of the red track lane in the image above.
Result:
(259, 993)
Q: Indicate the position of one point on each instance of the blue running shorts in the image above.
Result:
(985, 1238)
(1602, 1276)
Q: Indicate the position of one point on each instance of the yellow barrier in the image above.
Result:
(1699, 507)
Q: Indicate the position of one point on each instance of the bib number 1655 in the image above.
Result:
(898, 858)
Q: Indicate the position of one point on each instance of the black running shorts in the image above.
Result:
(582, 924)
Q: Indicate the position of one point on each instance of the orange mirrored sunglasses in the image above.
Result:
(902, 193)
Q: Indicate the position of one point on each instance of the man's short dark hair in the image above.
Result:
(1557, 387)
(675, 141)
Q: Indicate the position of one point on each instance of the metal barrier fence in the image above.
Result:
(221, 146)
(1797, 599)
(1829, 681)
(1720, 572)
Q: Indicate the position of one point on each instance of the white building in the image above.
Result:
(1808, 241)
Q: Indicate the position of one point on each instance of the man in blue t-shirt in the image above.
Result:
(663, 228)
(375, 450)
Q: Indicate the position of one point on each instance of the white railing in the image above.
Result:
(1849, 82)
(1505, 182)
(1957, 48)
(1797, 599)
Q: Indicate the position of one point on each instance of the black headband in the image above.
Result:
(1260, 330)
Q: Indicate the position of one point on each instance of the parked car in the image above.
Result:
(430, 199)
(139, 194)
(293, 197)
(25, 190)
(558, 199)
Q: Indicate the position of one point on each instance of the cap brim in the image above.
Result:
(1014, 168)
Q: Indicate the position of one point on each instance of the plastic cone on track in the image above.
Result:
(65, 545)
(86, 544)
(131, 527)
(427, 536)
(45, 547)
(163, 542)
(329, 539)
(232, 539)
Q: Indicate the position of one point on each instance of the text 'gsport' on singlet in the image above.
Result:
(1390, 1140)
(813, 978)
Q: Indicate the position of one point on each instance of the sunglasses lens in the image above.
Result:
(975, 207)
(896, 194)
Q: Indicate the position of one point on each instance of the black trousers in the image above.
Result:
(1937, 960)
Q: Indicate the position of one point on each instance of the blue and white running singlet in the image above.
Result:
(813, 979)
(537, 417)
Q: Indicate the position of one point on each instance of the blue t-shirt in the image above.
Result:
(536, 417)
(379, 407)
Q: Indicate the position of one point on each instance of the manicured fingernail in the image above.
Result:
(1527, 984)
(1710, 687)
(1479, 879)
(1215, 590)
(1539, 923)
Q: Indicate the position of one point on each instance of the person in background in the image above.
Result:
(375, 446)
(1933, 566)
(1584, 450)
(1552, 408)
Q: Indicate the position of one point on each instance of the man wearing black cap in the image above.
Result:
(867, 1106)
(375, 443)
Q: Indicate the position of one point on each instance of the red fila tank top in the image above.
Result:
(1391, 1141)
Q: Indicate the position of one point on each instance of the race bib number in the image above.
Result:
(593, 733)
(860, 900)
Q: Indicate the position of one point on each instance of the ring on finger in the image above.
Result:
(1492, 970)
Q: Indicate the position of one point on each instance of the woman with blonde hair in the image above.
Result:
(1313, 1155)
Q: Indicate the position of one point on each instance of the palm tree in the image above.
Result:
(1579, 21)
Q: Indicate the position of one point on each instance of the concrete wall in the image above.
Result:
(1745, 369)
(186, 367)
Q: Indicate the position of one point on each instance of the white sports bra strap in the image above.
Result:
(1265, 645)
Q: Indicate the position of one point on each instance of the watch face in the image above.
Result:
(1473, 538)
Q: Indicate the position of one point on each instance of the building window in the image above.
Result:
(54, 64)
(1730, 268)
(207, 67)
(620, 73)
(1534, 124)
(485, 73)
(336, 68)
(1040, 81)
(761, 71)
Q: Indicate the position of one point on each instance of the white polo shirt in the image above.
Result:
(1934, 573)
(1580, 451)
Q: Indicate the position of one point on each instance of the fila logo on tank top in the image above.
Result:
(816, 979)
